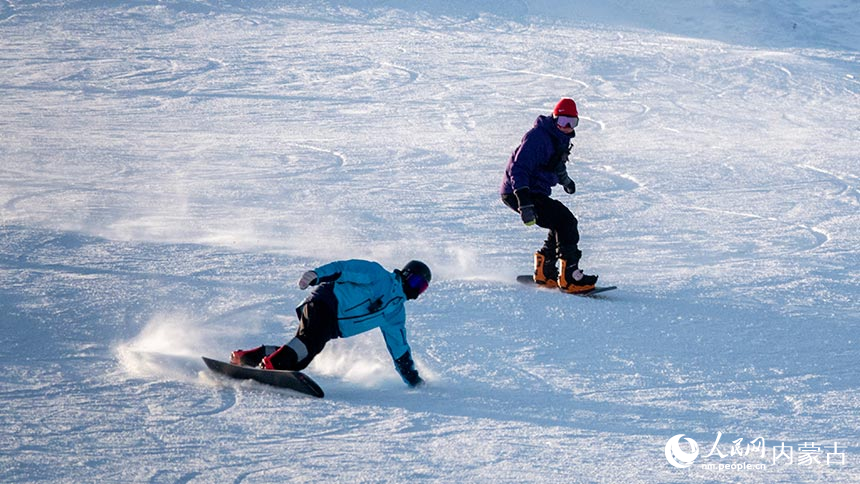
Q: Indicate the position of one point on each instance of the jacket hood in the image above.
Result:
(547, 123)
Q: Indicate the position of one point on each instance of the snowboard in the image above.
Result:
(294, 380)
(527, 279)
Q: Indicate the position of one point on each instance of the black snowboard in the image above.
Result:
(294, 380)
(597, 290)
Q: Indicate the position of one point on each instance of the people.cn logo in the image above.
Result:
(677, 457)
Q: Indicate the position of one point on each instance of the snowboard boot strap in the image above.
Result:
(571, 279)
(251, 357)
(545, 271)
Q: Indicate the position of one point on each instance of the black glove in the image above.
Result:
(569, 187)
(406, 367)
(565, 181)
(527, 207)
(527, 213)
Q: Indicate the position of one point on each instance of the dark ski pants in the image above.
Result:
(317, 326)
(563, 238)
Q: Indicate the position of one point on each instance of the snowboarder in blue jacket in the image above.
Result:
(538, 164)
(350, 297)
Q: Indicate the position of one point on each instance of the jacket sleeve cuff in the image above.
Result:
(524, 197)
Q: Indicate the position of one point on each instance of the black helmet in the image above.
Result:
(415, 277)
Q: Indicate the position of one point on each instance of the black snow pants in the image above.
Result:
(563, 239)
(317, 326)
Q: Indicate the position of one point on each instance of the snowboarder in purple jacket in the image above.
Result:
(538, 164)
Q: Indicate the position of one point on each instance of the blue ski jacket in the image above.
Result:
(368, 297)
(534, 164)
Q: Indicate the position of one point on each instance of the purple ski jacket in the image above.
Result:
(533, 164)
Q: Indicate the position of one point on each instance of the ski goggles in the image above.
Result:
(567, 121)
(417, 283)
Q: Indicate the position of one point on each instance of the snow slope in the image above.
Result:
(169, 169)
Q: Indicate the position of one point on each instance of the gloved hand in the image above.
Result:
(569, 187)
(564, 180)
(527, 207)
(406, 367)
(309, 278)
(527, 213)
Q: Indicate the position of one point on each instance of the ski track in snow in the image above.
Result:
(169, 170)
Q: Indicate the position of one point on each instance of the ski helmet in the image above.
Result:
(415, 277)
(565, 107)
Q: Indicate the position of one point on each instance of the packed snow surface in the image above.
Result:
(169, 169)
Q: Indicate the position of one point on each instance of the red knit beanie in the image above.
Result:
(565, 107)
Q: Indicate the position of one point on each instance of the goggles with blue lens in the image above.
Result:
(417, 283)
